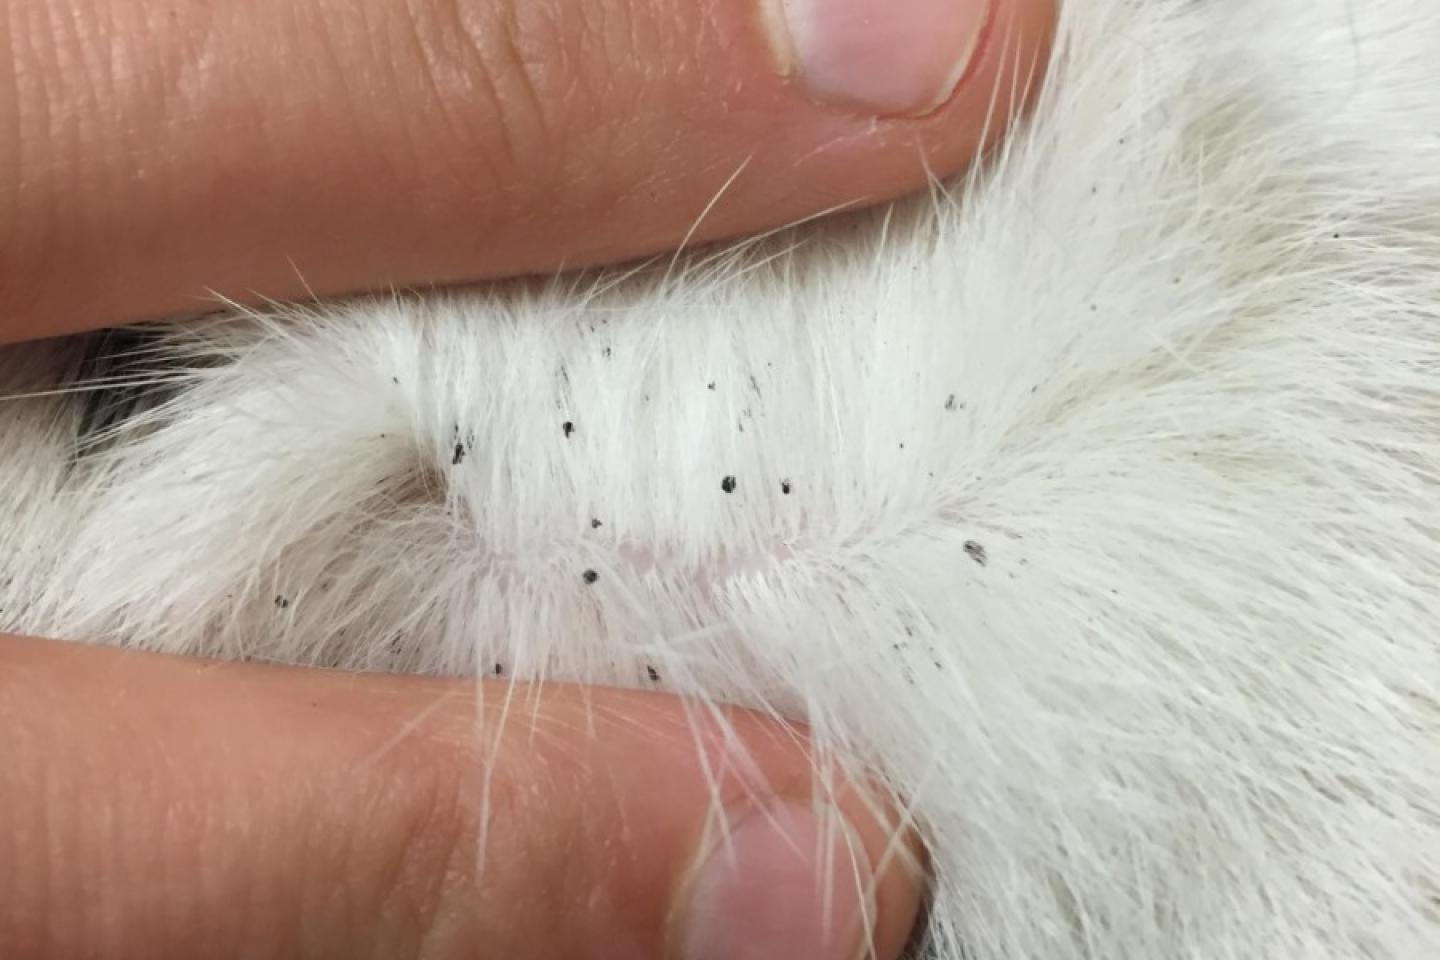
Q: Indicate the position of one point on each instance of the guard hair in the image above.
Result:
(1092, 500)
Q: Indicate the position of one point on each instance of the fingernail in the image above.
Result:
(785, 884)
(889, 57)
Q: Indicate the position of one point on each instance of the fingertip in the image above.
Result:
(999, 83)
(817, 138)
(510, 141)
(309, 806)
(770, 852)
(790, 879)
(901, 871)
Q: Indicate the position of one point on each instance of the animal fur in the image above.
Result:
(1094, 502)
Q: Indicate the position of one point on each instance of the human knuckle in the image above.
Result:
(503, 80)
(428, 834)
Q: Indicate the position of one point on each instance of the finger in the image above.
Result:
(274, 148)
(157, 807)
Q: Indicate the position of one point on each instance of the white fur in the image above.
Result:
(1188, 706)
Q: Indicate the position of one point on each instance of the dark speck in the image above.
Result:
(785, 487)
(568, 427)
(728, 484)
(590, 576)
(459, 456)
(499, 669)
(605, 352)
(710, 385)
(950, 402)
(976, 552)
(595, 524)
(282, 602)
(652, 673)
(395, 380)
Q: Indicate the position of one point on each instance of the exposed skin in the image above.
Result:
(153, 155)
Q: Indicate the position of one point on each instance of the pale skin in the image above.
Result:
(153, 155)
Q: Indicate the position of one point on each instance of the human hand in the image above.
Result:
(152, 155)
(155, 807)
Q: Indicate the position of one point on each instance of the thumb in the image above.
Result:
(160, 807)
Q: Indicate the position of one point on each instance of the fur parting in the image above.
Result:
(1094, 501)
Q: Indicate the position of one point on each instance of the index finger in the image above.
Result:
(273, 148)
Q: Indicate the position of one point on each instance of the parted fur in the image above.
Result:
(1094, 501)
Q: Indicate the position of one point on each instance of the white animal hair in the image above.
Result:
(1094, 503)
